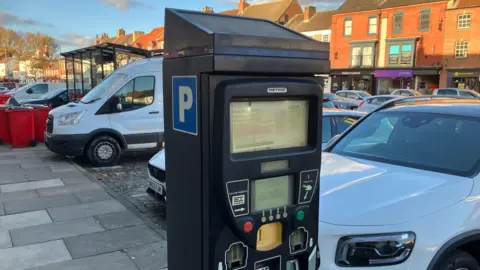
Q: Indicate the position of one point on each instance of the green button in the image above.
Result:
(300, 215)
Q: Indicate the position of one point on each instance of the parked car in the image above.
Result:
(406, 92)
(327, 103)
(406, 178)
(123, 113)
(373, 102)
(354, 96)
(52, 99)
(334, 122)
(36, 90)
(340, 102)
(455, 92)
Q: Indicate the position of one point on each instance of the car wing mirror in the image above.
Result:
(119, 107)
(29, 91)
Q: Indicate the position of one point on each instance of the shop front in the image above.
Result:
(468, 79)
(389, 80)
(352, 79)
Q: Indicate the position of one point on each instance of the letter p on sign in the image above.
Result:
(184, 99)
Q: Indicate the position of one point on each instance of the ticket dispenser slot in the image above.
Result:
(243, 120)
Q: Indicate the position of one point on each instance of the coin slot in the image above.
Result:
(298, 240)
(269, 236)
(236, 256)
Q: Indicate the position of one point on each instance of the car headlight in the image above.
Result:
(374, 250)
(70, 118)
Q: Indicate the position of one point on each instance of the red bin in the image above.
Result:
(22, 126)
(4, 126)
(40, 115)
(4, 98)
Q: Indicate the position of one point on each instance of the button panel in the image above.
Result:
(307, 185)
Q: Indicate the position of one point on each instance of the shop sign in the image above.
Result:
(463, 74)
(351, 73)
(393, 73)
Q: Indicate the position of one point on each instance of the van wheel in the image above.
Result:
(104, 151)
(459, 260)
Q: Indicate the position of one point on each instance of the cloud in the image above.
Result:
(75, 40)
(124, 4)
(10, 19)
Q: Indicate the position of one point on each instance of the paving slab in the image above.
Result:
(149, 257)
(118, 220)
(5, 241)
(78, 179)
(67, 167)
(67, 189)
(1, 209)
(109, 261)
(24, 220)
(95, 195)
(31, 185)
(54, 231)
(18, 195)
(108, 241)
(40, 203)
(10, 161)
(19, 258)
(84, 210)
(45, 175)
(9, 177)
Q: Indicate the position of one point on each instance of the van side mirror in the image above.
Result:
(29, 91)
(119, 107)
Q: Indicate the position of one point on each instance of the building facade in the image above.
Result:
(387, 45)
(461, 59)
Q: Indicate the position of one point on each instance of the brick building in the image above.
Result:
(461, 59)
(379, 46)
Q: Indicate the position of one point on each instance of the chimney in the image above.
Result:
(120, 32)
(137, 34)
(242, 6)
(309, 12)
(207, 9)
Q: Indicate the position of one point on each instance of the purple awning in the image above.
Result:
(393, 73)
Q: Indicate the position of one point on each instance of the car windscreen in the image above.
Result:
(435, 142)
(363, 94)
(52, 94)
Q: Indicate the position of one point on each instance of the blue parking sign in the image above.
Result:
(184, 99)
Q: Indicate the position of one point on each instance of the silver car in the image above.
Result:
(371, 103)
(354, 96)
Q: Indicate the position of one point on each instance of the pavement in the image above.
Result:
(56, 215)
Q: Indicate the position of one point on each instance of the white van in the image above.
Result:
(124, 112)
(36, 89)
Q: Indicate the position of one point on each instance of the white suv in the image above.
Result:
(400, 189)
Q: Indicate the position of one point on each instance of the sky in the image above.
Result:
(74, 23)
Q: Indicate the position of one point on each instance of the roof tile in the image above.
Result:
(468, 3)
(144, 40)
(270, 11)
(365, 5)
(320, 21)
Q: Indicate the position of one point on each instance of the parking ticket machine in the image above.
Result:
(243, 143)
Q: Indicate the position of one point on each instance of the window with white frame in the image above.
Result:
(464, 21)
(362, 55)
(347, 27)
(372, 25)
(461, 49)
(325, 38)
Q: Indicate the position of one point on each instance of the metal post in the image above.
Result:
(81, 72)
(114, 59)
(73, 71)
(66, 77)
(103, 72)
(91, 70)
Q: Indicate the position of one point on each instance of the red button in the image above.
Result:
(248, 226)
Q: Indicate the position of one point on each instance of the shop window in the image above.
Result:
(424, 21)
(347, 27)
(372, 25)
(397, 23)
(461, 49)
(362, 56)
(464, 21)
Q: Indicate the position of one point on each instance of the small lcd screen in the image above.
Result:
(266, 125)
(271, 193)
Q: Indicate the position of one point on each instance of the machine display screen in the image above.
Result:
(272, 193)
(266, 125)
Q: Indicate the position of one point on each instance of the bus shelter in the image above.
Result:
(87, 67)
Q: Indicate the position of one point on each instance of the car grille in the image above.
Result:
(156, 173)
(50, 124)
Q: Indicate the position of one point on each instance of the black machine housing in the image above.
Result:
(237, 58)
